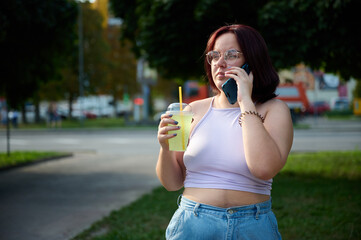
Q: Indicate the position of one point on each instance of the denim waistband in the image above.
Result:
(237, 211)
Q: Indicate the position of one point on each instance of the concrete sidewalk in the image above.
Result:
(56, 200)
(333, 125)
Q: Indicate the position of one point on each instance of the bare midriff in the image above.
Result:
(223, 198)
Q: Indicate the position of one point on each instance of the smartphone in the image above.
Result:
(246, 68)
(230, 86)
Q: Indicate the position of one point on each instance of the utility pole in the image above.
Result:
(8, 130)
(146, 77)
(81, 61)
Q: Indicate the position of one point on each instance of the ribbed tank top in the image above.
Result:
(215, 155)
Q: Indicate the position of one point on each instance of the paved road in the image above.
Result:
(57, 199)
(328, 135)
(110, 168)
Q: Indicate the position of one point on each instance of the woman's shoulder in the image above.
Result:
(201, 104)
(276, 103)
(273, 105)
(200, 107)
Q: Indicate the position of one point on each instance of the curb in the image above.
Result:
(41, 160)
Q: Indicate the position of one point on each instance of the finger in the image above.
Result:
(251, 75)
(167, 121)
(163, 140)
(165, 130)
(166, 115)
(165, 137)
(166, 118)
(234, 69)
(234, 72)
(170, 121)
(233, 75)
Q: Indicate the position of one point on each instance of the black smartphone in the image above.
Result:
(230, 86)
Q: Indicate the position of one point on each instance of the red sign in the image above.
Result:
(138, 101)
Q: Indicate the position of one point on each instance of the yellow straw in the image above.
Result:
(180, 98)
(181, 116)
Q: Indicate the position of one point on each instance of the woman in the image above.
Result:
(234, 150)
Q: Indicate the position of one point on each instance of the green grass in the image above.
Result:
(301, 126)
(316, 196)
(86, 123)
(94, 123)
(90, 123)
(22, 157)
(340, 115)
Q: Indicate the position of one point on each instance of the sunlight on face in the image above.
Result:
(223, 43)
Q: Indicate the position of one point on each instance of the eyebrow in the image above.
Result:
(226, 50)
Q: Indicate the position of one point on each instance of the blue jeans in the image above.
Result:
(196, 221)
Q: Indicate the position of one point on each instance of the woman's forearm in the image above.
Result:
(263, 155)
(169, 171)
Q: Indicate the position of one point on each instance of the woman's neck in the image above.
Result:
(221, 101)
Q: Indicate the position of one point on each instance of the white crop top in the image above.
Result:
(215, 156)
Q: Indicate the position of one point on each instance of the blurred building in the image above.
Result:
(320, 86)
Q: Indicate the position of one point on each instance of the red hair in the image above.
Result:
(255, 52)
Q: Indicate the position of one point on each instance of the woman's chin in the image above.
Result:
(219, 82)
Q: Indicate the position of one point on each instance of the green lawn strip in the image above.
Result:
(17, 158)
(94, 123)
(301, 126)
(316, 196)
(331, 164)
(91, 123)
(76, 123)
(314, 207)
(341, 115)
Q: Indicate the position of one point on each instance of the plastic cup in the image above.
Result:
(184, 119)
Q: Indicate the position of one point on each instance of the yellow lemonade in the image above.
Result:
(180, 142)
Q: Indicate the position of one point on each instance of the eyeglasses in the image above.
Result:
(230, 56)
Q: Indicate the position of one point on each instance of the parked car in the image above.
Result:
(340, 104)
(318, 107)
(89, 115)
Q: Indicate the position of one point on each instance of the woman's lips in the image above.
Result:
(221, 74)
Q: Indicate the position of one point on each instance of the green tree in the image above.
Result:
(34, 38)
(357, 91)
(95, 50)
(96, 64)
(121, 74)
(172, 34)
(323, 34)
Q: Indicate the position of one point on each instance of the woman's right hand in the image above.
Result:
(163, 129)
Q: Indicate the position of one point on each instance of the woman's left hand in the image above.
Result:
(243, 80)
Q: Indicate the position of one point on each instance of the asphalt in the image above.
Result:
(58, 199)
(333, 125)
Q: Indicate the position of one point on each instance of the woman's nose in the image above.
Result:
(221, 62)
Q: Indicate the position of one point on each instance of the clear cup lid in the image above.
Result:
(176, 107)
